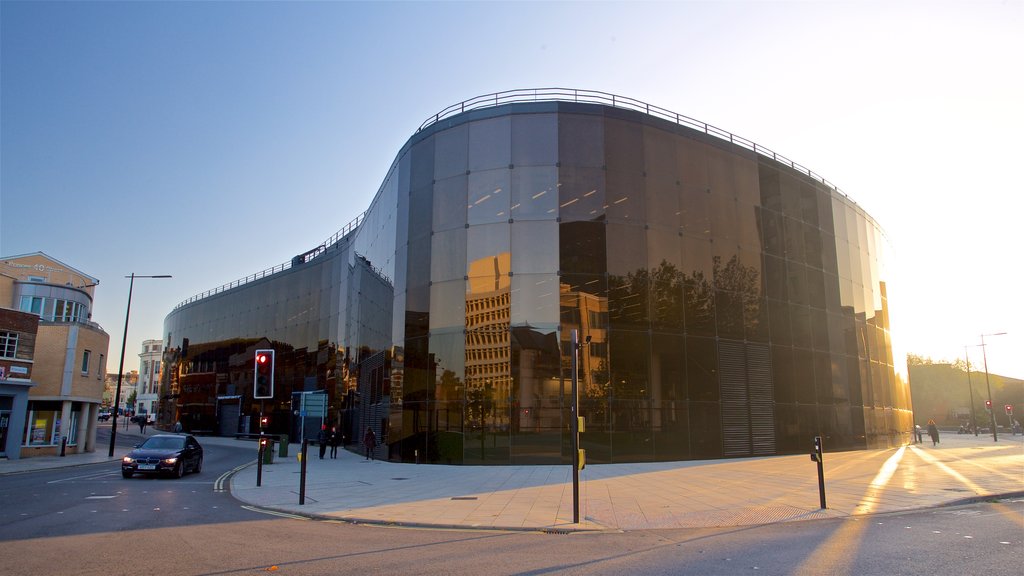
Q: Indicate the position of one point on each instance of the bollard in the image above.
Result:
(416, 454)
(816, 456)
(63, 445)
(259, 464)
(302, 473)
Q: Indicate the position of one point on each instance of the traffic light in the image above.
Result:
(263, 381)
(264, 422)
(988, 405)
(1009, 409)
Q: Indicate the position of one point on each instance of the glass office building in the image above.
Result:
(728, 302)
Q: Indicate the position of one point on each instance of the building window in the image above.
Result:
(99, 368)
(36, 279)
(32, 304)
(85, 361)
(67, 311)
(43, 426)
(8, 344)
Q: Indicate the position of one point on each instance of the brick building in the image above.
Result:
(62, 371)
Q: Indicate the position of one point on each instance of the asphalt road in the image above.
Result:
(88, 520)
(96, 499)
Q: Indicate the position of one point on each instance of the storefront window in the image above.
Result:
(43, 426)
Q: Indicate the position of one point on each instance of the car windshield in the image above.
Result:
(164, 443)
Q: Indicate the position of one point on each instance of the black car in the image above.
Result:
(173, 454)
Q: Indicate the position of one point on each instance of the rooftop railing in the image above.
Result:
(306, 257)
(540, 95)
(615, 101)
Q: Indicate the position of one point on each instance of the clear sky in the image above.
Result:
(211, 140)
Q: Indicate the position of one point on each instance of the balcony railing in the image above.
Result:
(615, 101)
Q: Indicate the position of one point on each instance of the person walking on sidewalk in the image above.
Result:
(142, 423)
(321, 440)
(933, 431)
(333, 439)
(370, 441)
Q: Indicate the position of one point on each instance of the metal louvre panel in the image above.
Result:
(732, 375)
(761, 402)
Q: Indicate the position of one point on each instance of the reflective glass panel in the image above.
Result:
(535, 299)
(534, 193)
(448, 255)
(451, 152)
(534, 247)
(489, 196)
(581, 194)
(581, 140)
(450, 203)
(490, 143)
(534, 140)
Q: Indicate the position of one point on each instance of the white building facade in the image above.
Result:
(149, 377)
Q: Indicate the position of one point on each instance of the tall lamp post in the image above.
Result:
(992, 409)
(120, 368)
(974, 419)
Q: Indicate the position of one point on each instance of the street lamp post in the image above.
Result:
(974, 419)
(992, 408)
(120, 368)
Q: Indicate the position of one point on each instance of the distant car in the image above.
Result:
(171, 454)
(104, 416)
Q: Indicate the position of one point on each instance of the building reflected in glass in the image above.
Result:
(731, 304)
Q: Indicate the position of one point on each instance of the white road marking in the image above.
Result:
(273, 513)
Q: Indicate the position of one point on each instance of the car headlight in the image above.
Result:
(171, 460)
(127, 460)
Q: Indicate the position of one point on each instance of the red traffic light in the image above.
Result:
(1009, 409)
(988, 404)
(263, 377)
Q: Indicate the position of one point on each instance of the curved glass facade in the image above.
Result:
(728, 304)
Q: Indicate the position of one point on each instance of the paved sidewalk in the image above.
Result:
(640, 496)
(706, 493)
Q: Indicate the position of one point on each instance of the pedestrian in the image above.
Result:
(933, 431)
(918, 435)
(142, 422)
(370, 441)
(177, 427)
(333, 438)
(321, 440)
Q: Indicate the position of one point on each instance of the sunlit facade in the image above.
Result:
(729, 302)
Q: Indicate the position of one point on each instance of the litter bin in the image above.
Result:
(268, 452)
(283, 442)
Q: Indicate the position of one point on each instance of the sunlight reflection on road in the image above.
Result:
(833, 555)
